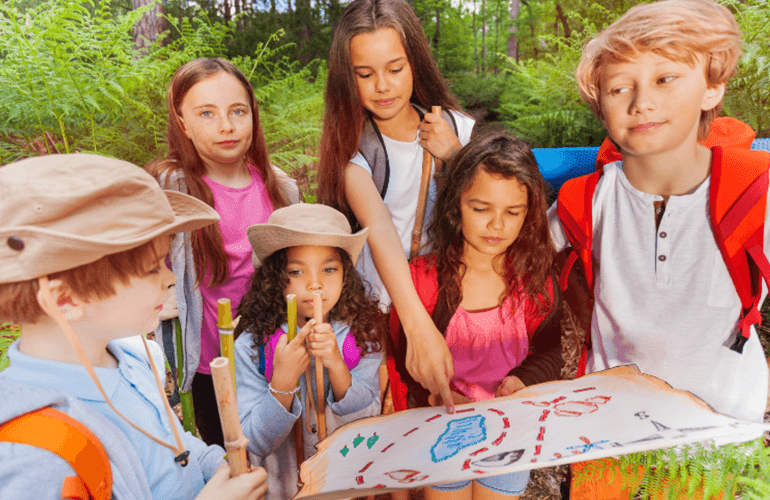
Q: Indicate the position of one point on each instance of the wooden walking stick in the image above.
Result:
(235, 441)
(319, 371)
(422, 200)
(291, 313)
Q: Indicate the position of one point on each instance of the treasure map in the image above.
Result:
(609, 413)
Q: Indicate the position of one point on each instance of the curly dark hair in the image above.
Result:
(529, 260)
(263, 307)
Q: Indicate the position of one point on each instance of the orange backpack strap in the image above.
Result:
(738, 200)
(575, 211)
(57, 432)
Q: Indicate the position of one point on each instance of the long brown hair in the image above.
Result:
(263, 308)
(528, 261)
(344, 115)
(208, 249)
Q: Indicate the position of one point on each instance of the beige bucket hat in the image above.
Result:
(305, 224)
(58, 212)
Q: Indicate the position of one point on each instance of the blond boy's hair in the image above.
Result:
(680, 30)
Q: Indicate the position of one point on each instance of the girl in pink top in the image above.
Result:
(217, 153)
(490, 289)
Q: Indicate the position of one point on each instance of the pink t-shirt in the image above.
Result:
(238, 208)
(485, 346)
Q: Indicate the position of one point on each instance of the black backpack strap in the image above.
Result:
(168, 349)
(448, 116)
(372, 148)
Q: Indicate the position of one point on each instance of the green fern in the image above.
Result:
(680, 472)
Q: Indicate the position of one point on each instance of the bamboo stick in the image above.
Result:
(422, 200)
(319, 371)
(235, 441)
(291, 313)
(185, 397)
(226, 326)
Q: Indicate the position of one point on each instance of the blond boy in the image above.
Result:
(663, 297)
(82, 245)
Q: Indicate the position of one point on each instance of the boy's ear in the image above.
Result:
(713, 96)
(70, 306)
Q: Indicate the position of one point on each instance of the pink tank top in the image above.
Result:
(238, 208)
(485, 346)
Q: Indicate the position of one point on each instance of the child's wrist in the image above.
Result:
(281, 392)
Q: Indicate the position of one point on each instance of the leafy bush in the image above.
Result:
(748, 95)
(291, 109)
(72, 80)
(475, 91)
(8, 333)
(679, 472)
(541, 102)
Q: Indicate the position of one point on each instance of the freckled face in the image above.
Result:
(217, 117)
(652, 105)
(383, 74)
(493, 211)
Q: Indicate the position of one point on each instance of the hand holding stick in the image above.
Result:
(235, 441)
(422, 200)
(319, 371)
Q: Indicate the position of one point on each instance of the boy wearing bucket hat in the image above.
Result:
(304, 249)
(82, 245)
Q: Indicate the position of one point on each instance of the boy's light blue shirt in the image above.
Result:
(131, 388)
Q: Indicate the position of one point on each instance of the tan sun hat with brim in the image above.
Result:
(305, 224)
(59, 212)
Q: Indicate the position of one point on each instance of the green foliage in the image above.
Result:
(748, 95)
(95, 92)
(70, 70)
(541, 103)
(8, 333)
(678, 472)
(475, 91)
(291, 113)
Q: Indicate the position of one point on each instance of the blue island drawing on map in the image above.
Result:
(459, 434)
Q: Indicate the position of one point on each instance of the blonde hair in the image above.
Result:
(680, 30)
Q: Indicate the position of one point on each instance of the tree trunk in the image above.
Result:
(237, 7)
(563, 20)
(147, 29)
(226, 9)
(437, 33)
(304, 20)
(513, 31)
(483, 36)
(475, 42)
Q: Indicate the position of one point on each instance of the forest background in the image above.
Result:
(92, 76)
(87, 75)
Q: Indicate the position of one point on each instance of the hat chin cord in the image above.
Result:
(49, 306)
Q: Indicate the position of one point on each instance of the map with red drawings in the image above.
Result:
(609, 413)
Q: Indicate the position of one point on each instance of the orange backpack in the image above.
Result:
(57, 432)
(737, 201)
